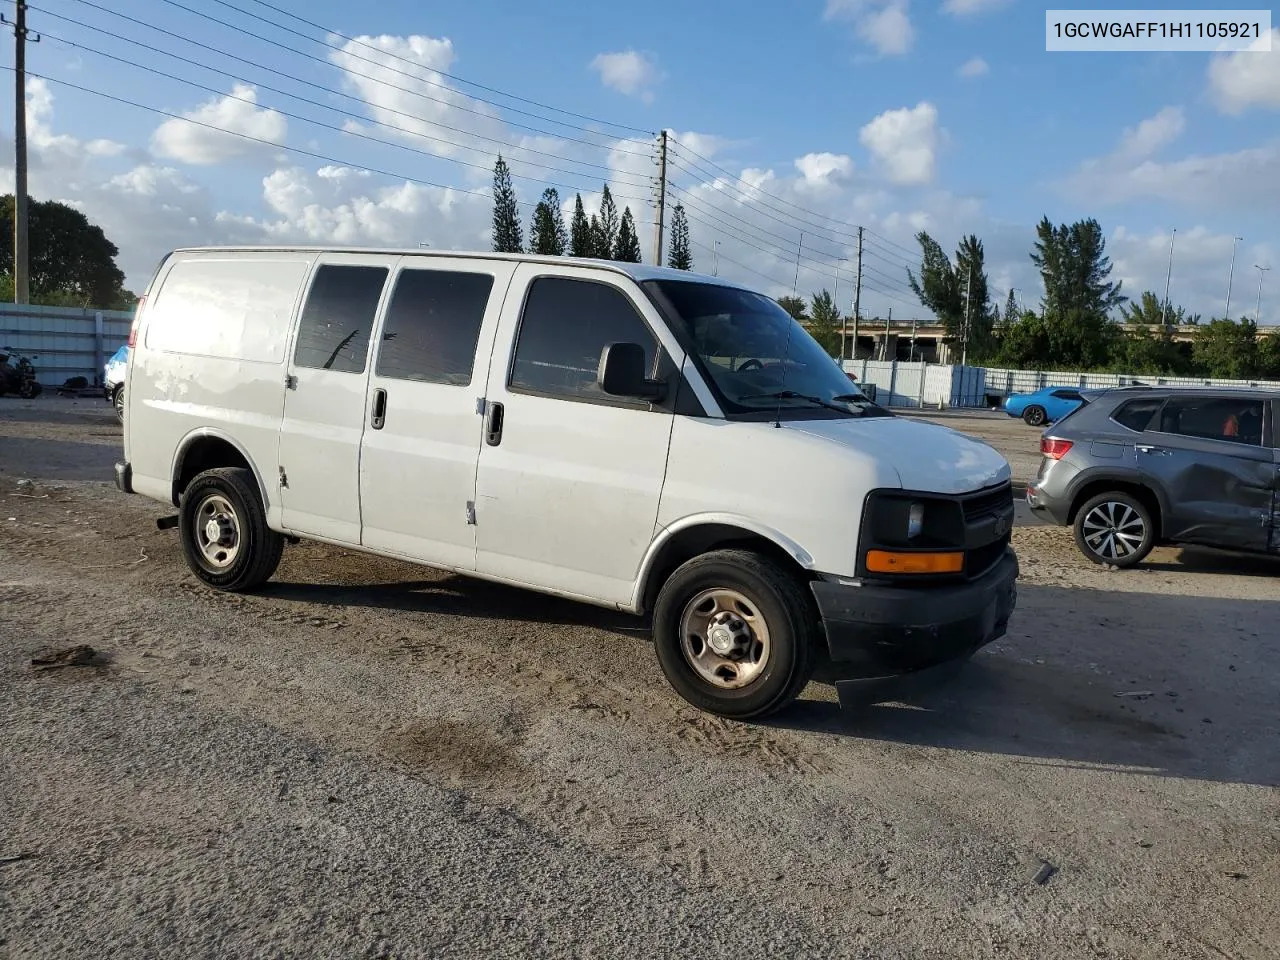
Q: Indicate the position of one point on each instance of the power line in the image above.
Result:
(454, 77)
(323, 62)
(737, 263)
(346, 132)
(355, 56)
(316, 103)
(315, 155)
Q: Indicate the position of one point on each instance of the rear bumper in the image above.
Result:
(883, 640)
(124, 476)
(1046, 507)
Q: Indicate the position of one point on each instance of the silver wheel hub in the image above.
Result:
(1114, 530)
(724, 638)
(217, 531)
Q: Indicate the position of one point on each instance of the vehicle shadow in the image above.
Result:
(41, 459)
(1146, 683)
(1205, 560)
(458, 596)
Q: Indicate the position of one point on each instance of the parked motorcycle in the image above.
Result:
(18, 375)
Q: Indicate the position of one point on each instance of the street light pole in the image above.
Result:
(1231, 274)
(1164, 315)
(1257, 313)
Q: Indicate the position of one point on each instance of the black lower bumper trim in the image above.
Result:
(124, 476)
(877, 633)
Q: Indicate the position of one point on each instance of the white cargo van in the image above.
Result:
(645, 439)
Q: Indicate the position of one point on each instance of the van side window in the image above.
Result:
(1214, 418)
(433, 325)
(565, 326)
(333, 333)
(1136, 414)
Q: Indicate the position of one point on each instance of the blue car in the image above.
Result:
(113, 380)
(1044, 406)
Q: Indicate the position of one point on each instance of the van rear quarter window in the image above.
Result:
(433, 325)
(233, 309)
(337, 320)
(565, 326)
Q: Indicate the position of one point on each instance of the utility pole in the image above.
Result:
(1231, 275)
(884, 350)
(715, 258)
(857, 300)
(795, 286)
(662, 198)
(21, 275)
(844, 321)
(915, 323)
(1257, 313)
(964, 339)
(1164, 314)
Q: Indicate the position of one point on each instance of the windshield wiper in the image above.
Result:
(792, 395)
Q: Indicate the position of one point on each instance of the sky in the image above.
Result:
(790, 125)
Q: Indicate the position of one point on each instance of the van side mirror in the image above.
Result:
(622, 373)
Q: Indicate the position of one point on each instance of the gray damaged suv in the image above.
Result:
(1135, 467)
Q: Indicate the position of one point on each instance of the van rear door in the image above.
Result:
(423, 429)
(325, 399)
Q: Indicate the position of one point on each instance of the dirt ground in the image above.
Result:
(370, 759)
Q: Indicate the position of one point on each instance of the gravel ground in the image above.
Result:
(373, 759)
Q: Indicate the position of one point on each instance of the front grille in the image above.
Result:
(996, 500)
(981, 559)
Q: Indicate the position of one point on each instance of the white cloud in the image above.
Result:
(1153, 133)
(628, 72)
(1247, 78)
(884, 24)
(824, 170)
(237, 113)
(904, 142)
(1215, 181)
(975, 67)
(965, 8)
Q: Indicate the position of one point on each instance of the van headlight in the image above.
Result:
(915, 520)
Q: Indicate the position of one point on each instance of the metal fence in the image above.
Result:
(64, 342)
(937, 386)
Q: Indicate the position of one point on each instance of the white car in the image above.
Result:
(645, 439)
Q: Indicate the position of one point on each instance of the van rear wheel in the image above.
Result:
(735, 633)
(225, 536)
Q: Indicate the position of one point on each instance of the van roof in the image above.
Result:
(637, 271)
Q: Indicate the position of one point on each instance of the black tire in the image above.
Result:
(257, 547)
(117, 401)
(777, 596)
(30, 390)
(1115, 512)
(1034, 415)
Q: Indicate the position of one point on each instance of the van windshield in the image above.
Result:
(754, 355)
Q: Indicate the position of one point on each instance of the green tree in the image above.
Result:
(1228, 349)
(794, 306)
(627, 248)
(507, 235)
(1010, 311)
(678, 254)
(1079, 296)
(979, 317)
(607, 238)
(937, 287)
(547, 233)
(70, 261)
(1024, 344)
(598, 248)
(824, 322)
(1269, 356)
(580, 239)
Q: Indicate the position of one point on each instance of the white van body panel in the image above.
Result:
(209, 360)
(569, 498)
(418, 470)
(323, 425)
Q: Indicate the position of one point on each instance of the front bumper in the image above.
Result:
(885, 639)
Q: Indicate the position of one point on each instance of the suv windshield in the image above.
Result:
(754, 355)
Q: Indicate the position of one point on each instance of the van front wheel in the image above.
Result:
(734, 633)
(225, 536)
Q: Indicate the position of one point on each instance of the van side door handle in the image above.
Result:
(1155, 451)
(493, 424)
(379, 415)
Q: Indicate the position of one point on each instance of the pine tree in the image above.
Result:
(678, 254)
(580, 237)
(507, 235)
(627, 249)
(1010, 311)
(599, 248)
(608, 236)
(546, 234)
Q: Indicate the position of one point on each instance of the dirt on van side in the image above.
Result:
(368, 758)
